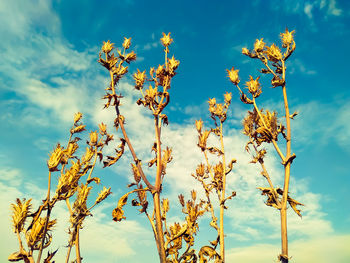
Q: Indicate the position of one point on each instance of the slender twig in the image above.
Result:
(47, 218)
(222, 203)
(77, 246)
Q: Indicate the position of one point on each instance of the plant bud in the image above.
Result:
(107, 47)
(93, 138)
(253, 86)
(77, 117)
(233, 75)
(127, 42)
(103, 128)
(245, 51)
(259, 45)
(166, 40)
(199, 125)
(55, 158)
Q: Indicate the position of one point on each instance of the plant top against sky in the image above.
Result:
(175, 242)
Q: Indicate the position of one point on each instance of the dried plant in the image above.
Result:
(38, 234)
(264, 127)
(155, 98)
(213, 176)
(175, 241)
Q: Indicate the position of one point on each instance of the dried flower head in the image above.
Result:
(55, 158)
(20, 213)
(254, 86)
(127, 42)
(71, 149)
(103, 128)
(173, 63)
(166, 40)
(77, 117)
(228, 97)
(273, 53)
(199, 125)
(245, 51)
(107, 47)
(37, 231)
(287, 38)
(259, 45)
(93, 138)
(130, 57)
(139, 78)
(233, 75)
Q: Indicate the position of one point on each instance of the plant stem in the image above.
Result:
(222, 203)
(283, 212)
(68, 254)
(137, 161)
(77, 246)
(156, 196)
(47, 218)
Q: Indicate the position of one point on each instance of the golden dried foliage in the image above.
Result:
(175, 242)
(264, 127)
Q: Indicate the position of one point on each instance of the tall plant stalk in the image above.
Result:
(263, 127)
(155, 101)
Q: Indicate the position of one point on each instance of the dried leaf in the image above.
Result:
(293, 203)
(118, 212)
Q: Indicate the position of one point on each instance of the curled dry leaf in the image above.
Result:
(118, 212)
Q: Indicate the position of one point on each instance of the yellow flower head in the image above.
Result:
(259, 45)
(127, 42)
(199, 125)
(228, 97)
(139, 78)
(166, 40)
(233, 75)
(103, 128)
(77, 117)
(107, 47)
(55, 158)
(173, 63)
(245, 51)
(93, 138)
(287, 38)
(273, 53)
(253, 86)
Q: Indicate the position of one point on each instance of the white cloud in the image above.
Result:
(297, 66)
(332, 123)
(330, 248)
(308, 10)
(101, 238)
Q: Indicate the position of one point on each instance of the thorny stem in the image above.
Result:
(283, 212)
(47, 218)
(222, 203)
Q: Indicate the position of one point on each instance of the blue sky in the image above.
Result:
(49, 71)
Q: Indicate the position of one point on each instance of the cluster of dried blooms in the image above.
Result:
(213, 176)
(263, 126)
(37, 234)
(174, 242)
